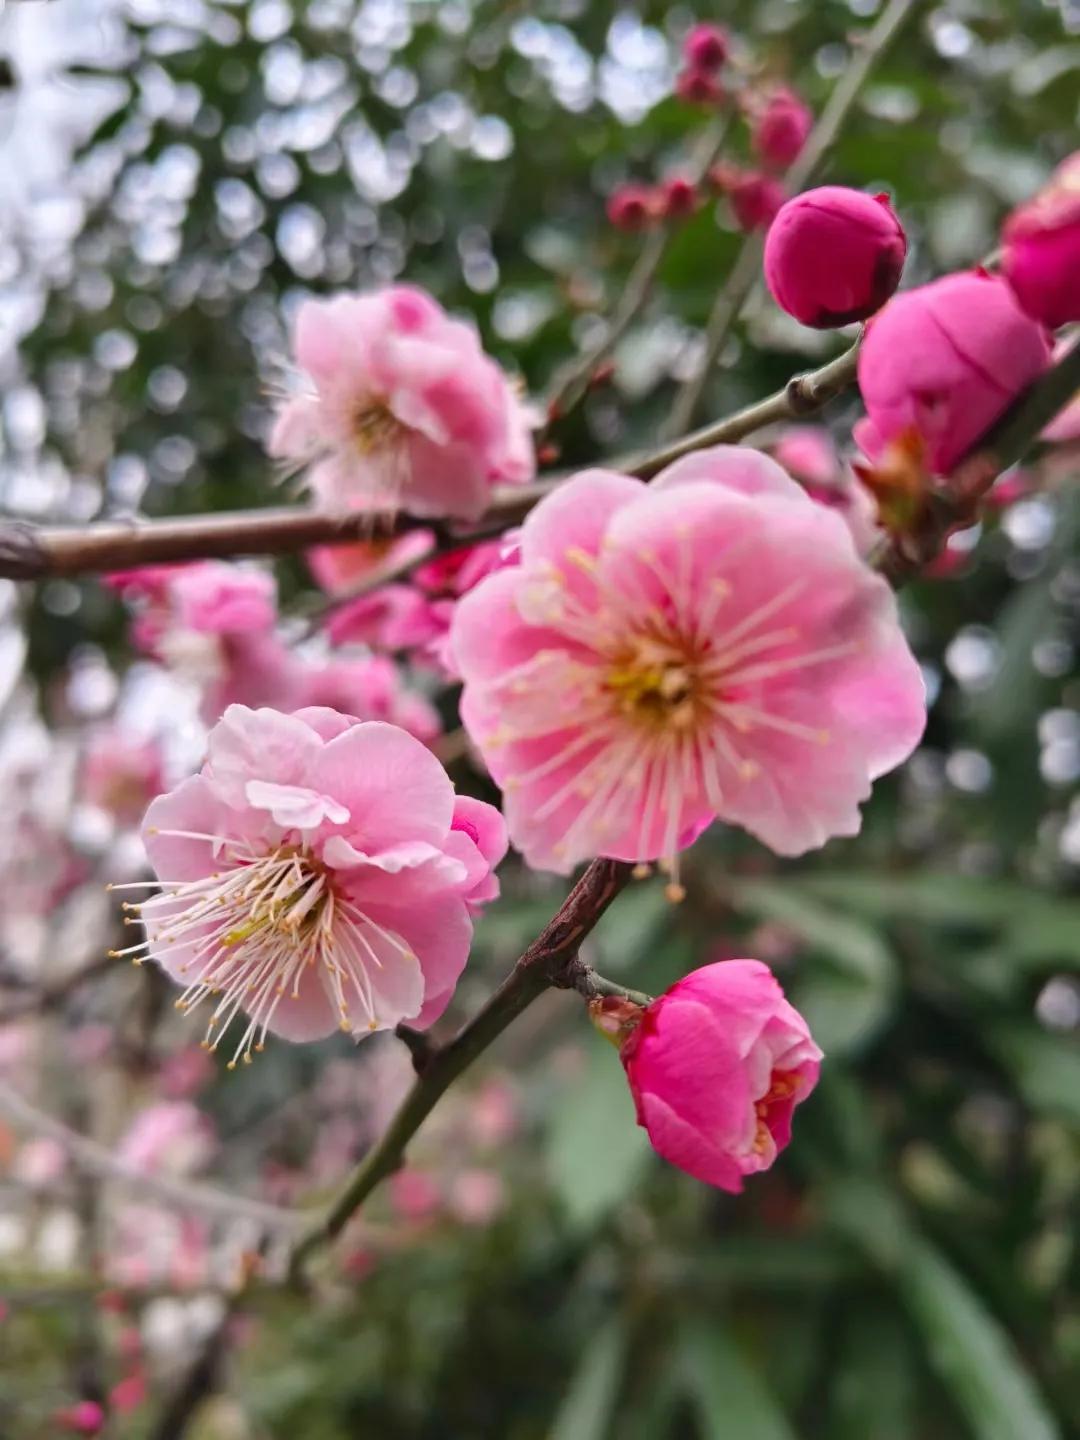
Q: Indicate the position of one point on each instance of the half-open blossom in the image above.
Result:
(1041, 249)
(405, 409)
(941, 363)
(716, 1067)
(834, 255)
(780, 127)
(311, 879)
(707, 646)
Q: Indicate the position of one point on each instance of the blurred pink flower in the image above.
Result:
(716, 1067)
(780, 127)
(371, 688)
(706, 46)
(407, 410)
(941, 363)
(477, 1197)
(172, 1137)
(185, 1072)
(121, 774)
(311, 878)
(1041, 249)
(808, 453)
(339, 568)
(85, 1417)
(216, 598)
(414, 1194)
(755, 199)
(632, 207)
(39, 1163)
(655, 662)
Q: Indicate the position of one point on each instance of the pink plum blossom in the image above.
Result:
(370, 687)
(808, 453)
(173, 1137)
(340, 568)
(659, 660)
(121, 774)
(216, 598)
(405, 408)
(716, 1066)
(939, 364)
(393, 617)
(1041, 249)
(834, 255)
(311, 878)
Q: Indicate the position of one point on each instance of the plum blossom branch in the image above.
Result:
(96, 1160)
(747, 267)
(552, 959)
(549, 961)
(572, 383)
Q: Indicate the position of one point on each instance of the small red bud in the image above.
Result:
(548, 454)
(678, 196)
(602, 374)
(706, 47)
(632, 207)
(697, 87)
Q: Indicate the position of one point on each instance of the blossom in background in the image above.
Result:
(834, 255)
(808, 453)
(405, 409)
(371, 688)
(707, 646)
(716, 1066)
(779, 127)
(939, 364)
(121, 774)
(755, 198)
(312, 879)
(172, 1137)
(633, 207)
(1041, 249)
(340, 568)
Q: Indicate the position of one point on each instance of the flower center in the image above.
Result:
(656, 683)
(782, 1086)
(248, 934)
(375, 427)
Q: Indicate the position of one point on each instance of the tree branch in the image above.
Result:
(95, 1159)
(744, 273)
(548, 961)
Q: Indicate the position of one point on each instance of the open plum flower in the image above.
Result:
(707, 646)
(406, 411)
(317, 874)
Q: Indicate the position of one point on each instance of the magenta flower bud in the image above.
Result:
(755, 199)
(677, 197)
(716, 1068)
(834, 255)
(698, 87)
(780, 128)
(706, 47)
(632, 207)
(941, 363)
(1041, 259)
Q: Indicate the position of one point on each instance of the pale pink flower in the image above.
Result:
(39, 1163)
(371, 688)
(310, 878)
(415, 1195)
(477, 1196)
(253, 669)
(708, 646)
(216, 598)
(808, 453)
(340, 568)
(121, 774)
(406, 411)
(716, 1066)
(172, 1137)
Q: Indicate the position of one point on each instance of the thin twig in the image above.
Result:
(95, 1159)
(50, 997)
(549, 960)
(747, 267)
(573, 380)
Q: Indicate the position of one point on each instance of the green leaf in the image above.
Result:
(1014, 699)
(848, 992)
(586, 1412)
(970, 1351)
(873, 1379)
(1046, 1066)
(732, 1400)
(596, 1152)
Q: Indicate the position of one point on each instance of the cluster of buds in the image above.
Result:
(755, 198)
(705, 51)
(635, 206)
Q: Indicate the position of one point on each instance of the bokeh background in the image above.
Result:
(175, 176)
